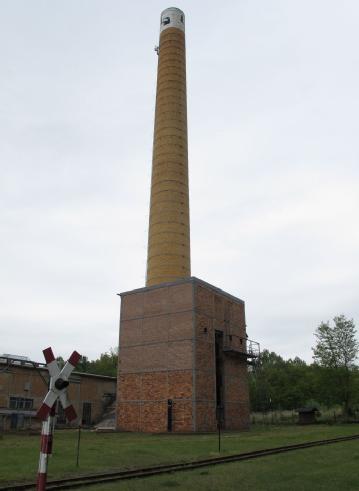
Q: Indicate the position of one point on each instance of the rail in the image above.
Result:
(89, 480)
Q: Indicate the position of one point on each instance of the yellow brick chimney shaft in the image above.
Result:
(168, 256)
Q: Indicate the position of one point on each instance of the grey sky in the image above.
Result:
(273, 150)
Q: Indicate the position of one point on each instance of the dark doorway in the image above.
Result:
(169, 414)
(219, 368)
(13, 421)
(86, 413)
(20, 421)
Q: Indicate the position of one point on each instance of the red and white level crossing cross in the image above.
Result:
(58, 385)
(59, 381)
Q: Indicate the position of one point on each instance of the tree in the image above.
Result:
(276, 383)
(105, 365)
(336, 351)
(83, 365)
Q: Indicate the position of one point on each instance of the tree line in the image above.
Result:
(332, 379)
(106, 364)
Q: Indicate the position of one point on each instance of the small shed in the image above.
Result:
(307, 415)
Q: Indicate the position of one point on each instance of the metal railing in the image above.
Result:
(236, 344)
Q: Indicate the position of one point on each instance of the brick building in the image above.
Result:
(184, 353)
(23, 385)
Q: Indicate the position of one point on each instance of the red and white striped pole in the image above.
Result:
(45, 450)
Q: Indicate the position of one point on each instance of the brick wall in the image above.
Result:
(156, 353)
(167, 351)
(218, 311)
(24, 381)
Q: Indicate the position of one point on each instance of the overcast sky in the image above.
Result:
(273, 110)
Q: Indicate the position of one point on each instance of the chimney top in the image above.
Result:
(172, 17)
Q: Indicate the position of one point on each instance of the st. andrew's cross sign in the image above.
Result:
(59, 381)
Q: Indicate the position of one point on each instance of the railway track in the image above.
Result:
(103, 478)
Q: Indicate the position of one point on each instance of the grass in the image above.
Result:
(108, 451)
(320, 469)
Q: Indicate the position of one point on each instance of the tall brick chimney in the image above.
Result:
(183, 342)
(168, 256)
